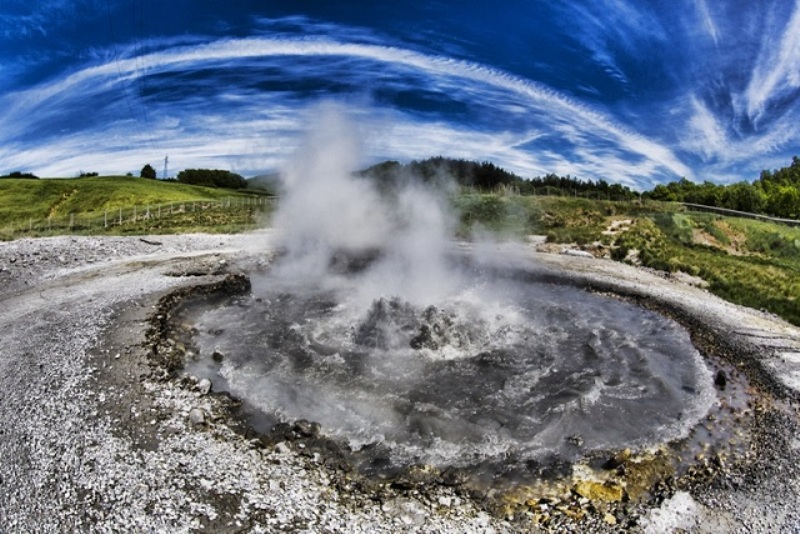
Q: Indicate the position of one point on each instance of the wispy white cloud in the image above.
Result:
(704, 134)
(708, 22)
(777, 71)
(25, 19)
(612, 30)
(442, 74)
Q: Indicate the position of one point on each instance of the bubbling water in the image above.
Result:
(370, 326)
(504, 366)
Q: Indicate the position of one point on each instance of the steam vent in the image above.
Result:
(549, 391)
(539, 395)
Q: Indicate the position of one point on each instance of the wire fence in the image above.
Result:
(142, 215)
(743, 214)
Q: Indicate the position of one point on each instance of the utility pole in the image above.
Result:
(166, 160)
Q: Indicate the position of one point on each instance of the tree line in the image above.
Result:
(486, 176)
(204, 177)
(775, 193)
(20, 175)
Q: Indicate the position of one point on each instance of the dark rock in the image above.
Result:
(721, 380)
(386, 318)
(452, 477)
(307, 428)
(618, 460)
(575, 440)
(424, 339)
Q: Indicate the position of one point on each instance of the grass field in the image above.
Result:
(749, 262)
(103, 204)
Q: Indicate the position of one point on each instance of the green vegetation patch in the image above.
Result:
(748, 262)
(103, 205)
(763, 273)
(40, 199)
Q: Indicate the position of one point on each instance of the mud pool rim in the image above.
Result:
(305, 439)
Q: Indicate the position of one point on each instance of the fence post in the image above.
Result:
(71, 220)
(120, 216)
(105, 218)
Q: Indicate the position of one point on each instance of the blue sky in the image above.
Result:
(636, 92)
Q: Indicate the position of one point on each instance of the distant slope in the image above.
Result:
(39, 199)
(270, 183)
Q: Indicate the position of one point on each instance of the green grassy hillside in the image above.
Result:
(40, 199)
(749, 262)
(123, 205)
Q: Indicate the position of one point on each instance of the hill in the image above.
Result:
(124, 205)
(270, 183)
(22, 199)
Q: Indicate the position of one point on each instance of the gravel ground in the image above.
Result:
(92, 441)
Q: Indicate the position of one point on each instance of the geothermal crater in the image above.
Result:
(503, 373)
(410, 352)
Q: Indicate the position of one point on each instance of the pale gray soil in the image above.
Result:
(91, 440)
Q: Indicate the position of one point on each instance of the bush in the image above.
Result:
(21, 175)
(148, 172)
(212, 178)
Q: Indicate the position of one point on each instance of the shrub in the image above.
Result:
(212, 178)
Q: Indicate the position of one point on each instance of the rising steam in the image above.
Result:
(444, 365)
(328, 210)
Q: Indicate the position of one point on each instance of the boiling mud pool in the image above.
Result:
(505, 367)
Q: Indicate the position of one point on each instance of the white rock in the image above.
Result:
(204, 386)
(578, 253)
(197, 416)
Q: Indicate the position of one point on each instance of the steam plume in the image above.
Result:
(327, 210)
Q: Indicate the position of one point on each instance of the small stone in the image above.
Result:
(306, 428)
(204, 386)
(598, 491)
(721, 380)
(197, 416)
(618, 459)
(283, 448)
(576, 440)
(445, 501)
(610, 519)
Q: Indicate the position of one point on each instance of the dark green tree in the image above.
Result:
(212, 178)
(148, 172)
(20, 174)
